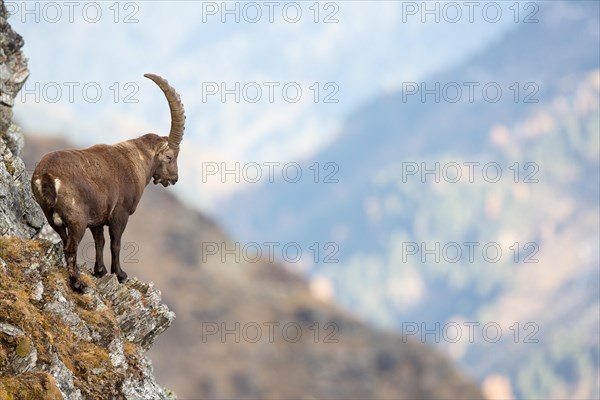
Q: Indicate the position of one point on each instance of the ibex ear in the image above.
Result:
(162, 147)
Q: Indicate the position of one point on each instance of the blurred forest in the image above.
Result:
(544, 138)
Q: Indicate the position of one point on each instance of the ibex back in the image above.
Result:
(102, 186)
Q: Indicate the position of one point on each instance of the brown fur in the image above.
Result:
(102, 186)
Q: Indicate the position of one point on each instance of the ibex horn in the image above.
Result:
(176, 107)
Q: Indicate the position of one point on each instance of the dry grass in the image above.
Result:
(93, 372)
(30, 385)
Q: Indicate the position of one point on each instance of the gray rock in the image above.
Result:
(65, 310)
(146, 387)
(117, 354)
(38, 291)
(64, 378)
(47, 233)
(10, 330)
(141, 316)
(18, 364)
(14, 140)
(20, 215)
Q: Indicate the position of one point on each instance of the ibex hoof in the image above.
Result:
(99, 272)
(77, 284)
(122, 277)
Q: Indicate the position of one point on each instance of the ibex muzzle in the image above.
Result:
(103, 184)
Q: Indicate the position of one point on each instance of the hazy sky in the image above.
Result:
(275, 63)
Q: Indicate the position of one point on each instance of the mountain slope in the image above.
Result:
(547, 212)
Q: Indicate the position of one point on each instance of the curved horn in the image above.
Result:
(176, 107)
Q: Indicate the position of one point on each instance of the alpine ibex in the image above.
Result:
(103, 184)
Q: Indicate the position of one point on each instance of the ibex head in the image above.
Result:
(166, 157)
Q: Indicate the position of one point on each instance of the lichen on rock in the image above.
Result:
(91, 344)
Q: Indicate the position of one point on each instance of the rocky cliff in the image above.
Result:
(54, 343)
(19, 214)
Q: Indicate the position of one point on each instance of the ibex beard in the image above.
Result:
(102, 186)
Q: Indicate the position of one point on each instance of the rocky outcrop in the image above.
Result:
(19, 213)
(54, 343)
(77, 346)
